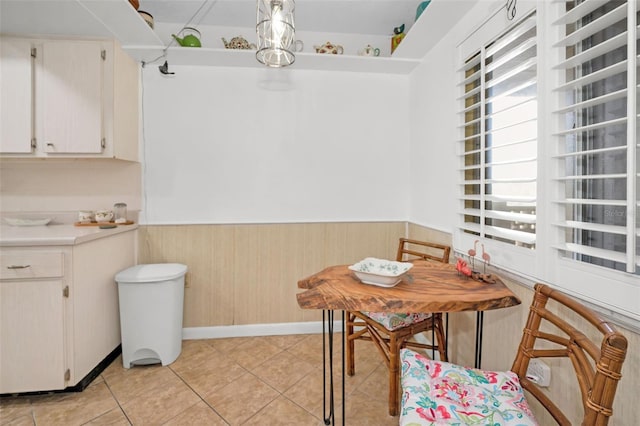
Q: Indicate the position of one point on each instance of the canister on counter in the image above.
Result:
(120, 213)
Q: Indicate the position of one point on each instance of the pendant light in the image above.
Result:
(276, 32)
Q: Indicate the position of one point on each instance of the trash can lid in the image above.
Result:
(151, 272)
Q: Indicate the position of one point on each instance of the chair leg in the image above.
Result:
(438, 327)
(394, 378)
(351, 363)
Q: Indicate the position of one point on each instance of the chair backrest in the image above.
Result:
(415, 249)
(597, 363)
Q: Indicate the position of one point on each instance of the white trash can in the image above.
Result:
(151, 305)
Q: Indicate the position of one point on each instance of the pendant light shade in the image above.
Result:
(276, 32)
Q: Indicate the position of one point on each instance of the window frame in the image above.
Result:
(615, 293)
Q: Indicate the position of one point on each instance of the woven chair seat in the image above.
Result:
(393, 321)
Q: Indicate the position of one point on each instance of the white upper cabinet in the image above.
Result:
(71, 97)
(16, 100)
(68, 98)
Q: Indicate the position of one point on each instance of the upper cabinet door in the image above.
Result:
(71, 97)
(16, 96)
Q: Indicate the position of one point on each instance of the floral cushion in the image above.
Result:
(438, 393)
(393, 321)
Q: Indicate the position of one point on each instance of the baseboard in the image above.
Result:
(193, 333)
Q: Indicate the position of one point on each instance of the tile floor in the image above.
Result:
(270, 380)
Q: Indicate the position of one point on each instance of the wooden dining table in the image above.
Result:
(426, 287)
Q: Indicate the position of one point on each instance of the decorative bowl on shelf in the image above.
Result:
(380, 272)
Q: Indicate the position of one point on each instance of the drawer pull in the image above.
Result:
(18, 266)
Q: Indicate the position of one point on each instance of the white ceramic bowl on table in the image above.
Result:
(380, 272)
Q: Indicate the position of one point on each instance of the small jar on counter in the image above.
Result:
(120, 213)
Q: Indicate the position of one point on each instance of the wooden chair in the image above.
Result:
(597, 362)
(390, 331)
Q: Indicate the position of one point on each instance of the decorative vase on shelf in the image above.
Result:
(398, 35)
(421, 7)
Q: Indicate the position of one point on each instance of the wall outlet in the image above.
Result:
(539, 372)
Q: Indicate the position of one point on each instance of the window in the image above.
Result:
(564, 104)
(596, 138)
(595, 146)
(500, 136)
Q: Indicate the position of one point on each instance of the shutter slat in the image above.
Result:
(591, 151)
(592, 127)
(473, 77)
(511, 199)
(530, 63)
(511, 234)
(522, 28)
(509, 162)
(513, 217)
(599, 24)
(581, 201)
(593, 251)
(516, 89)
(614, 69)
(470, 93)
(598, 227)
(597, 50)
(594, 177)
(475, 60)
(523, 47)
(519, 180)
(579, 11)
(592, 102)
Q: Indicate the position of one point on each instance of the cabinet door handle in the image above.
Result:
(18, 266)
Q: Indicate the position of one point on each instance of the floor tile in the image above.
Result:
(282, 412)
(285, 341)
(12, 409)
(194, 352)
(127, 384)
(160, 405)
(361, 410)
(226, 344)
(283, 370)
(241, 399)
(253, 352)
(114, 417)
(198, 414)
(267, 380)
(216, 371)
(308, 393)
(73, 408)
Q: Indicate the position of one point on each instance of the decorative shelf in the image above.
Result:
(118, 20)
(246, 58)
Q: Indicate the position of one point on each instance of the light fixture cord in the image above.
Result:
(164, 51)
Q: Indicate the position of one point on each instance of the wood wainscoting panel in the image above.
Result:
(248, 274)
(418, 232)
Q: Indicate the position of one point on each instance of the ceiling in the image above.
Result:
(377, 17)
(69, 17)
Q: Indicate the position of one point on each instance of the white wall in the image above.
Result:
(225, 145)
(434, 125)
(65, 185)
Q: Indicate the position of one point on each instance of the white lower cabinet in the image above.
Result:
(59, 315)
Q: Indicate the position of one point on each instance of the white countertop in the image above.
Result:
(55, 234)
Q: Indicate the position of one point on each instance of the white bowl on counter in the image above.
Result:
(380, 272)
(18, 221)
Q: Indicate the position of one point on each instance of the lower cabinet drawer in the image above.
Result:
(29, 265)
